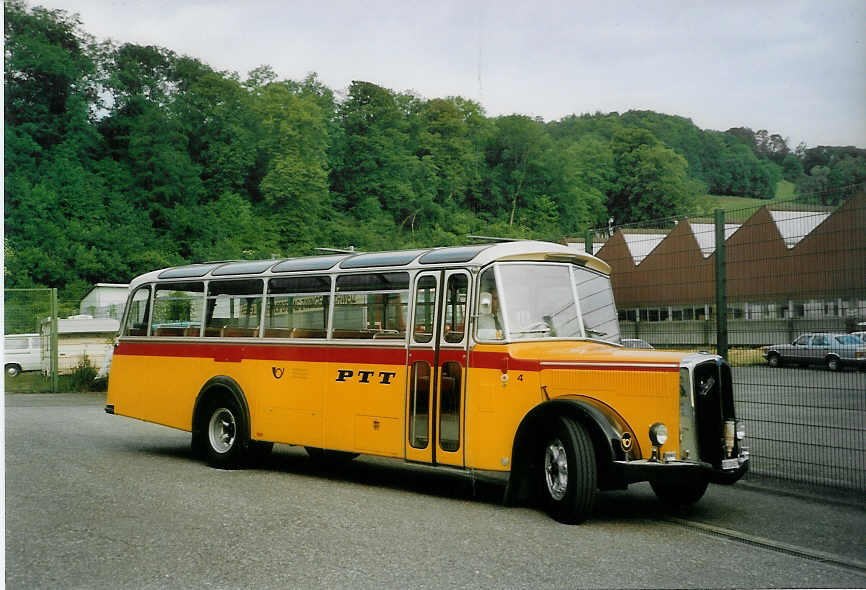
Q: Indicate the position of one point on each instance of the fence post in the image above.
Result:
(721, 287)
(587, 241)
(54, 340)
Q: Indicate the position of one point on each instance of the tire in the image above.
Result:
(328, 458)
(223, 433)
(680, 494)
(833, 363)
(774, 360)
(568, 476)
(13, 370)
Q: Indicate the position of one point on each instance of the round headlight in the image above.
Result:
(741, 430)
(658, 434)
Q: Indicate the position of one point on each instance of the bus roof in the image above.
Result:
(473, 255)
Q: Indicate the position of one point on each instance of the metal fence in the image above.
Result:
(49, 346)
(784, 282)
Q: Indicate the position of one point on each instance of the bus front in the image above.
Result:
(591, 413)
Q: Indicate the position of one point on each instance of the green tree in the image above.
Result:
(294, 188)
(216, 114)
(515, 157)
(652, 180)
(588, 175)
(376, 163)
(792, 168)
(49, 74)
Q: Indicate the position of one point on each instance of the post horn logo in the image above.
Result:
(626, 441)
(277, 371)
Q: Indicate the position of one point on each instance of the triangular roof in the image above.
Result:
(793, 226)
(641, 244)
(705, 235)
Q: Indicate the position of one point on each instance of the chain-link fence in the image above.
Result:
(780, 291)
(50, 346)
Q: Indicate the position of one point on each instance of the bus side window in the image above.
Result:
(297, 307)
(449, 406)
(419, 405)
(177, 308)
(371, 305)
(234, 308)
(136, 318)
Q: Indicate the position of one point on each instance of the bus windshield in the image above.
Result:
(538, 301)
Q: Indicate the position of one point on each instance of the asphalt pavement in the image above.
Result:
(99, 501)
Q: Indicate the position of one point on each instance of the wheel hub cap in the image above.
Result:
(221, 430)
(556, 469)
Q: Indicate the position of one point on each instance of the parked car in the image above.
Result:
(636, 343)
(832, 350)
(22, 352)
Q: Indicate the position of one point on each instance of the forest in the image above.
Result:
(123, 158)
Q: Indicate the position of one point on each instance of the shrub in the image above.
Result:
(83, 375)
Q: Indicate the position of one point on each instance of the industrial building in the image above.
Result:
(788, 271)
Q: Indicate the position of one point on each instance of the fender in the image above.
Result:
(604, 425)
(231, 386)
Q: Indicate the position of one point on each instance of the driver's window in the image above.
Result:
(801, 341)
(136, 317)
(489, 326)
(819, 341)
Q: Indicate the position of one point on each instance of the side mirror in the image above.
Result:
(485, 303)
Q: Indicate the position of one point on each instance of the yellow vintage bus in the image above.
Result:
(499, 357)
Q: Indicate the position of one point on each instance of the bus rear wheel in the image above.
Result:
(568, 475)
(224, 433)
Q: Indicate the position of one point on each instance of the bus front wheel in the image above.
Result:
(569, 480)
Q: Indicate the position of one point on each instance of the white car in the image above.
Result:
(22, 352)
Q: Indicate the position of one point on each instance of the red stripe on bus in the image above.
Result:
(502, 360)
(357, 354)
(238, 352)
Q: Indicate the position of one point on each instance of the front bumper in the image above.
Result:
(682, 471)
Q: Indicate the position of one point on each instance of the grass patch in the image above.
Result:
(785, 189)
(745, 357)
(27, 382)
(81, 379)
(744, 207)
(737, 357)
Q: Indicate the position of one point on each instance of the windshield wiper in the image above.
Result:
(595, 333)
(536, 328)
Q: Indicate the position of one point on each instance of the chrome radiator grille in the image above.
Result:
(714, 404)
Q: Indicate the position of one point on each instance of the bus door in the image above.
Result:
(435, 407)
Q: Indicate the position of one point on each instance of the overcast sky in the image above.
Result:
(793, 68)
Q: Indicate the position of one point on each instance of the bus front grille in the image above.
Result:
(714, 405)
